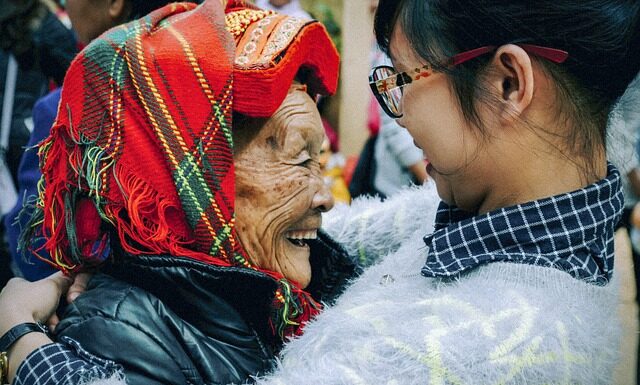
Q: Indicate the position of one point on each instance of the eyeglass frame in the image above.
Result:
(402, 79)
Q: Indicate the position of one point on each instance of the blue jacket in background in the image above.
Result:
(44, 114)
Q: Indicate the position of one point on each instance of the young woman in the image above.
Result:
(509, 102)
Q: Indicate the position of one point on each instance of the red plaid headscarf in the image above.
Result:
(142, 144)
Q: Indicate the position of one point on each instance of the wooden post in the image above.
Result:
(357, 40)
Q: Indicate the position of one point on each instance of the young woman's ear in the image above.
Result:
(514, 80)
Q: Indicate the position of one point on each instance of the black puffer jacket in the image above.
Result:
(171, 320)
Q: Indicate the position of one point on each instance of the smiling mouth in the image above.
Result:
(299, 238)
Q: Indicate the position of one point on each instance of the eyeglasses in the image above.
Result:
(386, 83)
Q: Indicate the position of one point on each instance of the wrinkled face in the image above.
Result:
(280, 193)
(433, 117)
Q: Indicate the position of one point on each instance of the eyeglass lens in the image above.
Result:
(393, 95)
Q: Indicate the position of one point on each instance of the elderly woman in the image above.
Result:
(205, 228)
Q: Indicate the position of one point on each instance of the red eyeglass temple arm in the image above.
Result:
(555, 55)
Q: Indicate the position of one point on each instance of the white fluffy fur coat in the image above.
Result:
(500, 324)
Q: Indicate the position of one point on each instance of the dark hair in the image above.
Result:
(602, 38)
(18, 21)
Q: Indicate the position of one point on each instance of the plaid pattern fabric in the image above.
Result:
(141, 152)
(572, 232)
(64, 364)
(143, 142)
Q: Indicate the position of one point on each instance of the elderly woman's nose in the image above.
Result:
(323, 199)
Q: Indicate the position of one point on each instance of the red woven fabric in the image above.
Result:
(271, 51)
(144, 127)
(142, 143)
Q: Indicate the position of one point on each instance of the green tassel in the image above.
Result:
(96, 162)
(290, 308)
(70, 225)
(30, 234)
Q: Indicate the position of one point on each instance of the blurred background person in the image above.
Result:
(399, 163)
(89, 19)
(38, 48)
(332, 161)
(43, 48)
(624, 127)
(622, 145)
(389, 160)
(332, 166)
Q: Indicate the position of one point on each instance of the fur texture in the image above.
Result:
(500, 324)
(370, 229)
